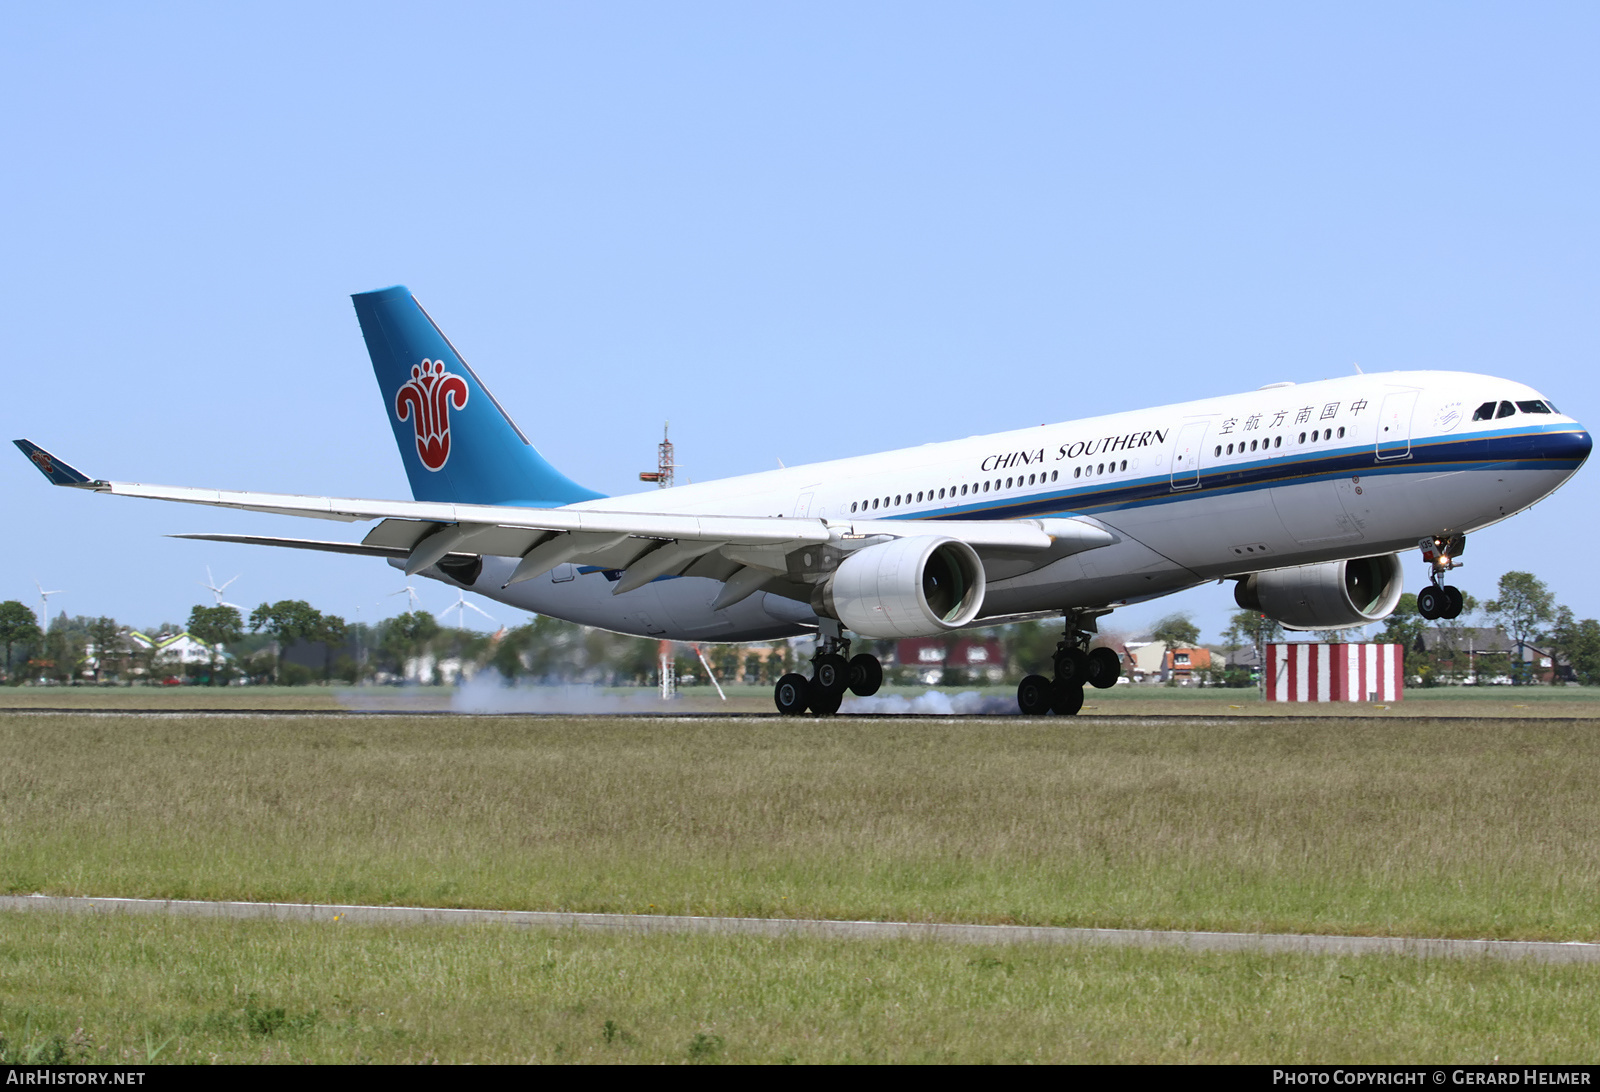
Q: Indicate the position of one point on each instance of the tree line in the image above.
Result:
(291, 642)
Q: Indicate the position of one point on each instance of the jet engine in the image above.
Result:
(1330, 595)
(918, 586)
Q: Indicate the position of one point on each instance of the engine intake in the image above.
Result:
(1329, 595)
(911, 587)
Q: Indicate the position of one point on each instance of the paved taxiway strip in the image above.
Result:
(1142, 720)
(1535, 950)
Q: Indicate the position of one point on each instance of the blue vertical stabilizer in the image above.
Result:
(457, 443)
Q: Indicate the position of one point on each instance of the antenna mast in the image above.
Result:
(662, 476)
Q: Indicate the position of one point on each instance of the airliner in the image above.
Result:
(1303, 494)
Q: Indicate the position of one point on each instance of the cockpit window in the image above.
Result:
(1484, 412)
(1535, 406)
(1506, 410)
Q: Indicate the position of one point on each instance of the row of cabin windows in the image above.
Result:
(1489, 411)
(1098, 469)
(900, 499)
(1277, 441)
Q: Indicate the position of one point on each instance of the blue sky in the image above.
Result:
(799, 231)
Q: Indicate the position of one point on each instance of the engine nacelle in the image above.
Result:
(918, 586)
(1331, 595)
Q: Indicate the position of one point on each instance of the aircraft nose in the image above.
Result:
(1568, 449)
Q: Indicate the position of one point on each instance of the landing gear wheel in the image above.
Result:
(792, 694)
(1072, 667)
(1067, 699)
(824, 704)
(866, 675)
(1430, 603)
(1104, 667)
(1034, 696)
(830, 675)
(1454, 602)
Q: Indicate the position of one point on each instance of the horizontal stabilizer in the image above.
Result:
(358, 548)
(302, 544)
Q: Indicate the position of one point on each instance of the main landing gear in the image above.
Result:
(1438, 599)
(831, 675)
(1076, 665)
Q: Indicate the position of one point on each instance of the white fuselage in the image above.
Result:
(1286, 475)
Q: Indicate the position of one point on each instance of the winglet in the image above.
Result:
(51, 467)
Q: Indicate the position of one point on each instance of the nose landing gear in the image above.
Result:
(1441, 600)
(1076, 665)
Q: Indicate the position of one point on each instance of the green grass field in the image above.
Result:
(122, 989)
(1409, 826)
(1432, 828)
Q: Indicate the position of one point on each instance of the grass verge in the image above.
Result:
(1415, 827)
(134, 990)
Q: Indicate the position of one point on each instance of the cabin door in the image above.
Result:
(1394, 425)
(1186, 455)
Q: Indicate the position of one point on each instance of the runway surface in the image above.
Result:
(1139, 719)
(1272, 943)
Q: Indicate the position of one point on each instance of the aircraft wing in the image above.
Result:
(646, 544)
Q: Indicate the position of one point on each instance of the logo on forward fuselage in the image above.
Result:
(426, 400)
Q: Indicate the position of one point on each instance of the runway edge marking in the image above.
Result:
(1270, 943)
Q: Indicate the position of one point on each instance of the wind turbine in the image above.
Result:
(44, 602)
(461, 606)
(409, 591)
(217, 590)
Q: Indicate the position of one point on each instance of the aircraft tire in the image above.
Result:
(1430, 604)
(1072, 667)
(1066, 699)
(866, 675)
(830, 674)
(1454, 602)
(1104, 667)
(792, 694)
(824, 704)
(1034, 696)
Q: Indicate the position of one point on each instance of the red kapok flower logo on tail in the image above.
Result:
(426, 400)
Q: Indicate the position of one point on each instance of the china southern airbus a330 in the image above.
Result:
(1304, 494)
